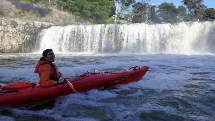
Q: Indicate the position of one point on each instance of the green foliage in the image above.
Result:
(181, 13)
(138, 18)
(71, 5)
(32, 1)
(196, 8)
(32, 12)
(167, 12)
(181, 10)
(126, 2)
(138, 8)
(1, 10)
(125, 11)
(22, 13)
(209, 14)
(140, 12)
(97, 10)
(110, 21)
(153, 17)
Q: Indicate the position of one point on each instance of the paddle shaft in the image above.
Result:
(71, 86)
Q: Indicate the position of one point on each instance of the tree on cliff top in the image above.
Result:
(181, 13)
(196, 8)
(167, 12)
(97, 10)
(209, 14)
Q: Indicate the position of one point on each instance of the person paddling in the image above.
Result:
(47, 70)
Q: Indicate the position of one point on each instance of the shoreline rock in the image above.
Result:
(19, 36)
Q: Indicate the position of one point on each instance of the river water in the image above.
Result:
(177, 87)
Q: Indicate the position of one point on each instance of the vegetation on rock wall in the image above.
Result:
(36, 12)
(64, 12)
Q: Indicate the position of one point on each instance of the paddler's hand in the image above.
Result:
(59, 74)
(65, 80)
(59, 82)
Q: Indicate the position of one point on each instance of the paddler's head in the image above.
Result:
(48, 55)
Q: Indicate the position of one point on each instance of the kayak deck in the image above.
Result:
(20, 93)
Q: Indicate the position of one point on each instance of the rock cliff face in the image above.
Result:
(19, 35)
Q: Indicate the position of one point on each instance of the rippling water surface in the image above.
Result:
(176, 87)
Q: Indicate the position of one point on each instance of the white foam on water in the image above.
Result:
(166, 72)
(6, 118)
(78, 119)
(154, 107)
(162, 82)
(18, 74)
(91, 98)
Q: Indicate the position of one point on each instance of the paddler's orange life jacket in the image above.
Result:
(48, 73)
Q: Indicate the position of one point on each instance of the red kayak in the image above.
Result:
(20, 93)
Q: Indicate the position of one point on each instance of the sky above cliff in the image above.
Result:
(208, 3)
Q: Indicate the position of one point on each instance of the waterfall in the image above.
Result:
(178, 38)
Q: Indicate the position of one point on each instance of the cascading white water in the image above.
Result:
(139, 38)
